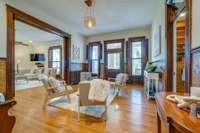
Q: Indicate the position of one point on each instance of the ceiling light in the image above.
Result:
(89, 19)
(182, 14)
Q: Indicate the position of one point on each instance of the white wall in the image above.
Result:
(77, 39)
(137, 32)
(195, 24)
(22, 53)
(159, 19)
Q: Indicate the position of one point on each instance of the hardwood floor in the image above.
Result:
(129, 113)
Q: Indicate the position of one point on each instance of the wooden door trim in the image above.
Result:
(106, 42)
(91, 44)
(15, 14)
(170, 18)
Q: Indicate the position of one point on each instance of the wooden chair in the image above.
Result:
(7, 121)
(53, 92)
(119, 81)
(84, 89)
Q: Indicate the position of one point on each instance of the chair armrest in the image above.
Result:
(111, 79)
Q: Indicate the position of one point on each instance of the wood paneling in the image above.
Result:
(2, 75)
(15, 14)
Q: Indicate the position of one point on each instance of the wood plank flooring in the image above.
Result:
(129, 113)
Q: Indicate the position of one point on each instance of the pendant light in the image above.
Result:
(89, 19)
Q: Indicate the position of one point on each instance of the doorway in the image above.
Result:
(179, 52)
(15, 14)
(113, 57)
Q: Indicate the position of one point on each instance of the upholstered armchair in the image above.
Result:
(33, 74)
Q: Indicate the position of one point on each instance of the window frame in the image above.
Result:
(90, 59)
(50, 57)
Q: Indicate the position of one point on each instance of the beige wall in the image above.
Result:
(77, 39)
(196, 24)
(24, 56)
(137, 32)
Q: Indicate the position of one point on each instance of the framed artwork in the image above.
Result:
(156, 46)
(76, 53)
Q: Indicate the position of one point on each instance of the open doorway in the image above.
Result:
(15, 14)
(37, 52)
(179, 52)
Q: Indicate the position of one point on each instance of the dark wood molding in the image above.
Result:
(106, 51)
(90, 45)
(3, 58)
(50, 57)
(188, 37)
(15, 14)
(136, 79)
(171, 16)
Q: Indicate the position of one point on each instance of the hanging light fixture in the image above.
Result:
(89, 19)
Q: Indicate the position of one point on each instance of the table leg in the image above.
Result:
(158, 124)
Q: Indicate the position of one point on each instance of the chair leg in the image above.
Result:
(105, 115)
(68, 98)
(45, 102)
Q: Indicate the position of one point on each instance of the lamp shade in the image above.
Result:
(18, 61)
(90, 22)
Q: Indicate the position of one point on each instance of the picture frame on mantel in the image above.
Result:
(156, 45)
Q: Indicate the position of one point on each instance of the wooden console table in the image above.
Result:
(174, 120)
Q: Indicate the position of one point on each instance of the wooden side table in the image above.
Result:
(174, 120)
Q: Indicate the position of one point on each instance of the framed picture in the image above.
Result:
(156, 46)
(76, 53)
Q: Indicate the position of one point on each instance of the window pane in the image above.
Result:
(136, 67)
(136, 50)
(114, 61)
(114, 46)
(56, 65)
(95, 52)
(56, 54)
(95, 67)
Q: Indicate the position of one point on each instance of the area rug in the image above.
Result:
(23, 84)
(95, 111)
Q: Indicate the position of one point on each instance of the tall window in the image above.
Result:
(94, 57)
(55, 59)
(113, 57)
(137, 58)
(95, 60)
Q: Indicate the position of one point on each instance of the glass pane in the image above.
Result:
(114, 46)
(95, 67)
(136, 67)
(114, 61)
(56, 54)
(56, 65)
(136, 50)
(95, 52)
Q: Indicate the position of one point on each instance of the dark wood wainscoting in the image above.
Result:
(195, 67)
(76, 69)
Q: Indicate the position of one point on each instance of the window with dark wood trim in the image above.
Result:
(94, 53)
(113, 57)
(137, 56)
(55, 58)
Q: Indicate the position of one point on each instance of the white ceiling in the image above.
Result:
(25, 33)
(111, 15)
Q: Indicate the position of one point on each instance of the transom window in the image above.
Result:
(114, 46)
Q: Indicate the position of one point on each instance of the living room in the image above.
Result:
(115, 72)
